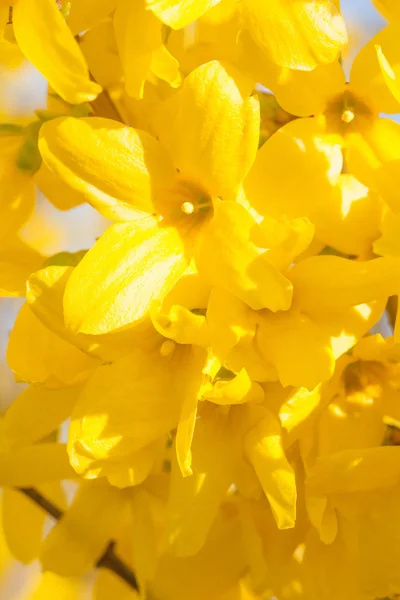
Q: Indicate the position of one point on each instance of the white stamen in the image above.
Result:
(167, 348)
(187, 208)
(348, 116)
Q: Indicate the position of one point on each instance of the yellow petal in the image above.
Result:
(232, 254)
(17, 262)
(182, 326)
(116, 416)
(62, 588)
(306, 93)
(192, 379)
(194, 501)
(297, 408)
(21, 425)
(86, 13)
(331, 281)
(389, 8)
(374, 158)
(349, 222)
(138, 35)
(358, 470)
(179, 13)
(389, 242)
(391, 79)
(99, 47)
(263, 446)
(38, 356)
(366, 74)
(129, 268)
(316, 163)
(49, 45)
(165, 66)
(56, 191)
(109, 585)
(238, 390)
(299, 350)
(45, 293)
(23, 523)
(146, 511)
(116, 168)
(229, 321)
(214, 136)
(297, 35)
(76, 542)
(17, 192)
(33, 465)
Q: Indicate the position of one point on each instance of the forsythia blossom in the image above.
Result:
(209, 400)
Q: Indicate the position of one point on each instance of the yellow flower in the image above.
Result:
(46, 41)
(336, 301)
(346, 130)
(171, 203)
(293, 34)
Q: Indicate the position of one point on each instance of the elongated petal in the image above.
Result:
(366, 73)
(229, 321)
(17, 262)
(306, 93)
(47, 42)
(214, 137)
(389, 8)
(21, 425)
(179, 13)
(296, 35)
(316, 163)
(52, 585)
(36, 355)
(76, 542)
(56, 191)
(391, 79)
(23, 523)
(238, 390)
(194, 501)
(138, 35)
(115, 168)
(374, 158)
(358, 470)
(33, 465)
(128, 269)
(331, 281)
(298, 349)
(350, 221)
(116, 415)
(17, 192)
(165, 66)
(231, 255)
(263, 447)
(192, 380)
(86, 13)
(45, 292)
(182, 326)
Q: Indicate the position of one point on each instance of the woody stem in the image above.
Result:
(109, 560)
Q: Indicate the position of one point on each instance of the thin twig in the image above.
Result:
(109, 560)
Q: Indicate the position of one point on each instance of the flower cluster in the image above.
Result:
(210, 396)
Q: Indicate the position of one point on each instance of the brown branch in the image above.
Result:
(109, 560)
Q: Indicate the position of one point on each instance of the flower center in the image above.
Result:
(185, 205)
(347, 113)
(167, 348)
